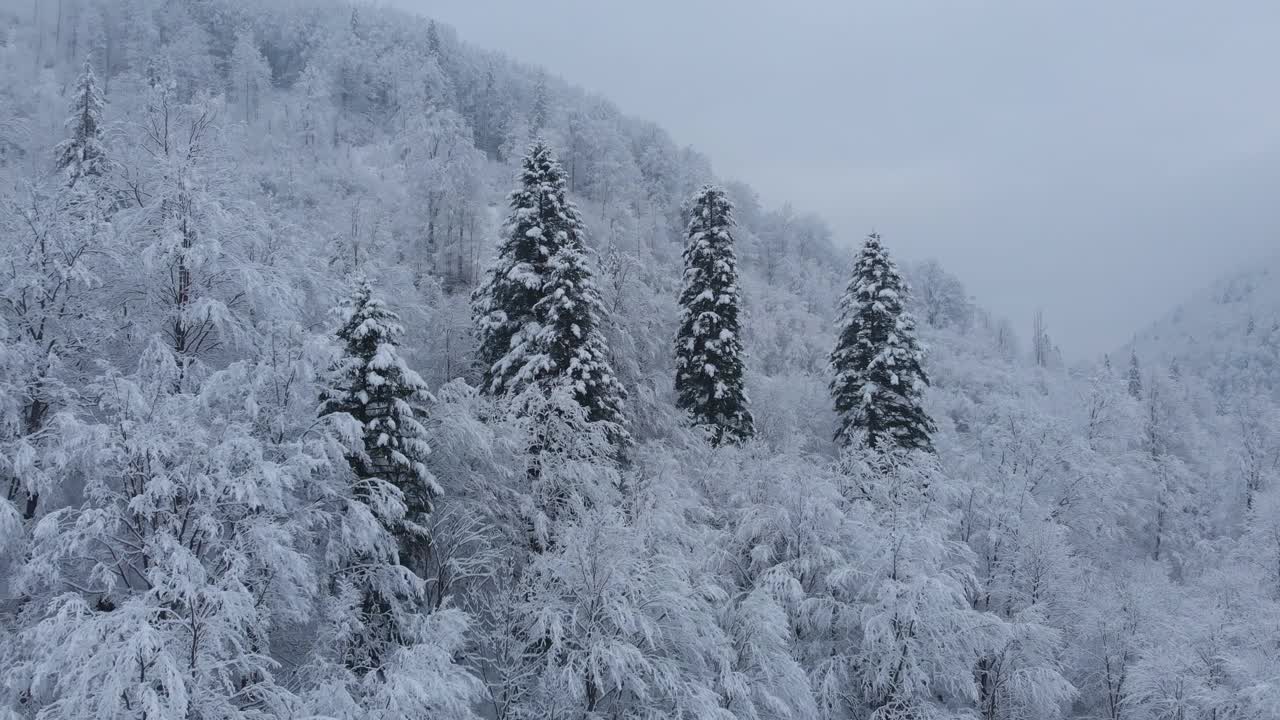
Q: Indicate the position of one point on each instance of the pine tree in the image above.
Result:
(879, 383)
(709, 365)
(373, 385)
(1135, 376)
(82, 154)
(539, 312)
(433, 40)
(382, 650)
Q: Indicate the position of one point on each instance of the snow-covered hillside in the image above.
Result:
(281, 438)
(1228, 333)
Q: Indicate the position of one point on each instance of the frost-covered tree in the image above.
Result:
(1042, 348)
(1070, 552)
(1258, 438)
(380, 648)
(607, 613)
(83, 153)
(1167, 450)
(1135, 376)
(940, 296)
(538, 313)
(312, 90)
(878, 382)
(51, 268)
(783, 547)
(250, 75)
(601, 611)
(372, 384)
(442, 168)
(211, 272)
(708, 347)
(920, 638)
(154, 595)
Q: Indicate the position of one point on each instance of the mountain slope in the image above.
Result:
(1073, 549)
(1228, 333)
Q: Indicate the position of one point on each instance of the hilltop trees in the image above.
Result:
(709, 364)
(878, 382)
(538, 313)
(213, 504)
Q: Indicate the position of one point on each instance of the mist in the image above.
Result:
(1100, 161)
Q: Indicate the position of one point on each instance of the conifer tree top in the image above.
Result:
(365, 318)
(378, 389)
(1135, 375)
(82, 153)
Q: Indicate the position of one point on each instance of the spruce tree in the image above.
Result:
(538, 313)
(433, 40)
(709, 364)
(1135, 376)
(541, 113)
(82, 154)
(372, 384)
(378, 619)
(878, 382)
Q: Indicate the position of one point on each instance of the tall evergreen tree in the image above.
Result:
(433, 39)
(1135, 376)
(82, 154)
(372, 384)
(709, 364)
(538, 314)
(379, 645)
(878, 381)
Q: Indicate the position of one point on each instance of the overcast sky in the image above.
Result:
(1101, 159)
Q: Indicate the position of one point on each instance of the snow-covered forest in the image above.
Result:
(348, 370)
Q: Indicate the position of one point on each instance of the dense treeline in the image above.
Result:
(350, 371)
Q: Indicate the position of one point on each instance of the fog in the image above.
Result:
(1098, 160)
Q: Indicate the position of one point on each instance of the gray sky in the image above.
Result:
(1101, 159)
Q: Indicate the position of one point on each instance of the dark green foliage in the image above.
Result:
(878, 382)
(708, 348)
(372, 384)
(538, 313)
(82, 154)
